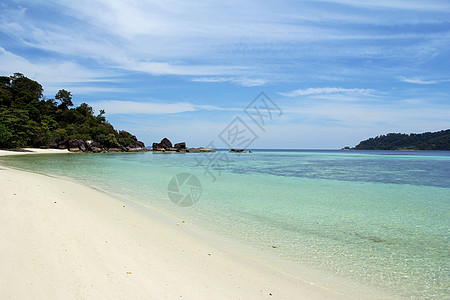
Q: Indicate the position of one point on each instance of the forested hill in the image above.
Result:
(27, 119)
(439, 140)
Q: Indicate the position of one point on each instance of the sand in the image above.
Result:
(63, 240)
(32, 151)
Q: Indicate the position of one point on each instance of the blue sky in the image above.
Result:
(340, 70)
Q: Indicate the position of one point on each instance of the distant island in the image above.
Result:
(439, 140)
(27, 119)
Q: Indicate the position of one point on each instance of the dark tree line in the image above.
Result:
(27, 119)
(439, 140)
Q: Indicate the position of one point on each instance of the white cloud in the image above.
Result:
(417, 80)
(51, 74)
(326, 90)
(240, 81)
(163, 68)
(152, 108)
(198, 38)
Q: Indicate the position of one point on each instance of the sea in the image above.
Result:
(379, 218)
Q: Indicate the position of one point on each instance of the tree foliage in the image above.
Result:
(27, 119)
(439, 140)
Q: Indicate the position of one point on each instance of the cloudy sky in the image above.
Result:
(338, 71)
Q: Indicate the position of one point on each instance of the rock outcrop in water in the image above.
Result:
(237, 151)
(166, 146)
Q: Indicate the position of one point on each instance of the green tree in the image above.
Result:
(24, 90)
(27, 119)
(5, 136)
(65, 98)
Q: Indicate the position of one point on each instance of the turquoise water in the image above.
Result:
(377, 217)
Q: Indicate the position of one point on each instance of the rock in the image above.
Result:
(137, 149)
(95, 149)
(92, 146)
(76, 145)
(237, 151)
(82, 145)
(63, 144)
(199, 150)
(166, 143)
(180, 146)
(53, 145)
(157, 147)
(137, 144)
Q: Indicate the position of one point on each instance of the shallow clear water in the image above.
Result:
(377, 217)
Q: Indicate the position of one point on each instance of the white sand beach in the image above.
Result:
(32, 151)
(63, 240)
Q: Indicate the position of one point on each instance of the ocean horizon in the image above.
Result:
(379, 218)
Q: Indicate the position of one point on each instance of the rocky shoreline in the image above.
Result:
(165, 146)
(95, 147)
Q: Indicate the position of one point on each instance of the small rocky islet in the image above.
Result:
(166, 146)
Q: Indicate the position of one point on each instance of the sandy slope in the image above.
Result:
(60, 239)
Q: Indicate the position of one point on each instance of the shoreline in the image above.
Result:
(67, 239)
(28, 151)
(252, 271)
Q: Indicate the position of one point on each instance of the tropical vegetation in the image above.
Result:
(439, 140)
(28, 119)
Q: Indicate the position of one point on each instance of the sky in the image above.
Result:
(255, 74)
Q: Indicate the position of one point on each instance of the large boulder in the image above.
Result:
(157, 147)
(63, 144)
(180, 146)
(76, 145)
(136, 146)
(166, 143)
(92, 146)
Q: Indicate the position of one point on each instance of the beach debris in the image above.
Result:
(183, 221)
(275, 246)
(54, 202)
(128, 273)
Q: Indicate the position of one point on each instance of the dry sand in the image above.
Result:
(31, 151)
(63, 240)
